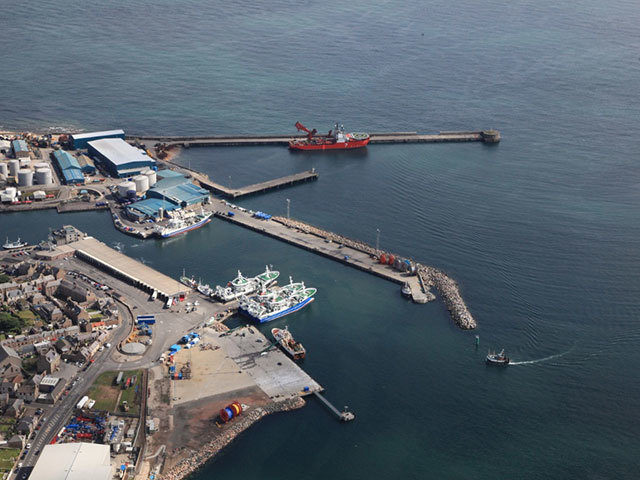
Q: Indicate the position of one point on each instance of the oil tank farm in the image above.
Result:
(80, 140)
(20, 149)
(119, 158)
(69, 167)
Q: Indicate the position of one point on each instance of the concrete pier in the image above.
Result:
(281, 182)
(486, 136)
(358, 255)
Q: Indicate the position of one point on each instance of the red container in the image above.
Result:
(391, 260)
(383, 259)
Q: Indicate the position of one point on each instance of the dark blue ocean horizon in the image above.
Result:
(542, 232)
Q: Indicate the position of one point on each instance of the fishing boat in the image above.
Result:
(497, 358)
(336, 139)
(183, 223)
(13, 245)
(267, 277)
(406, 289)
(237, 287)
(188, 281)
(288, 344)
(278, 305)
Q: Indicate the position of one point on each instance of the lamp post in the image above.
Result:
(288, 208)
(377, 239)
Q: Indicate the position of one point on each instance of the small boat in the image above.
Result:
(288, 344)
(406, 289)
(13, 245)
(497, 358)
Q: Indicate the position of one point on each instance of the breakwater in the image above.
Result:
(429, 276)
(196, 459)
(485, 136)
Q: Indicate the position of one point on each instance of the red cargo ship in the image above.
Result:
(335, 139)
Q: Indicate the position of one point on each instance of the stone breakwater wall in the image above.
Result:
(229, 432)
(430, 276)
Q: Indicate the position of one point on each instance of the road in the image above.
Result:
(170, 326)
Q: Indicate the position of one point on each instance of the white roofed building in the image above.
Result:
(73, 461)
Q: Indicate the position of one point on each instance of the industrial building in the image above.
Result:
(69, 167)
(80, 140)
(20, 149)
(73, 461)
(119, 158)
(86, 165)
(173, 191)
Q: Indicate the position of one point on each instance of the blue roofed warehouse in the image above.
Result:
(69, 167)
(80, 140)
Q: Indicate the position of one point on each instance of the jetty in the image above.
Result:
(273, 184)
(344, 416)
(355, 254)
(485, 136)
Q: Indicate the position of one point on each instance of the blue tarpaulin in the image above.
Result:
(175, 348)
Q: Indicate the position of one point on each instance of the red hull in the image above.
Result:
(327, 145)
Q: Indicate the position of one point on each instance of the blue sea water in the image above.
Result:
(541, 232)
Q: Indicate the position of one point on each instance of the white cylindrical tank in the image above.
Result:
(25, 162)
(41, 165)
(44, 176)
(25, 177)
(153, 178)
(125, 187)
(142, 183)
(4, 169)
(14, 166)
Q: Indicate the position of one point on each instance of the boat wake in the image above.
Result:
(540, 360)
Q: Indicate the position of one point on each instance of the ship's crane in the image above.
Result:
(310, 133)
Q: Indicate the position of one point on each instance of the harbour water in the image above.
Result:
(542, 232)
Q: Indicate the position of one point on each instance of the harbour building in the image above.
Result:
(80, 140)
(86, 164)
(119, 158)
(69, 168)
(172, 192)
(73, 461)
(20, 149)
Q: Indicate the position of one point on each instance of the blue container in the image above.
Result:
(306, 389)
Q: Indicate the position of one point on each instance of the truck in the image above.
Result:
(82, 402)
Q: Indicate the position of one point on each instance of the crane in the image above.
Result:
(310, 133)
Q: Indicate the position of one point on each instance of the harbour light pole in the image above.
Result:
(377, 239)
(288, 208)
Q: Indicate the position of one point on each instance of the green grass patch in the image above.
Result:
(30, 364)
(4, 278)
(27, 316)
(8, 456)
(130, 395)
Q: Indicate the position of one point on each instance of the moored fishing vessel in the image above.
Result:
(13, 245)
(497, 358)
(242, 285)
(288, 344)
(279, 304)
(188, 281)
(183, 223)
(336, 139)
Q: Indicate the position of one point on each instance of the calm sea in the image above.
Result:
(542, 231)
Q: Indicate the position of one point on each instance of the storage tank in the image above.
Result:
(41, 165)
(25, 162)
(142, 183)
(14, 166)
(383, 259)
(152, 176)
(44, 176)
(25, 177)
(391, 259)
(4, 169)
(125, 187)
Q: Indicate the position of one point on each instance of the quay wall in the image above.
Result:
(429, 276)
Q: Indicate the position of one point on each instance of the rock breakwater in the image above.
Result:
(197, 458)
(430, 276)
